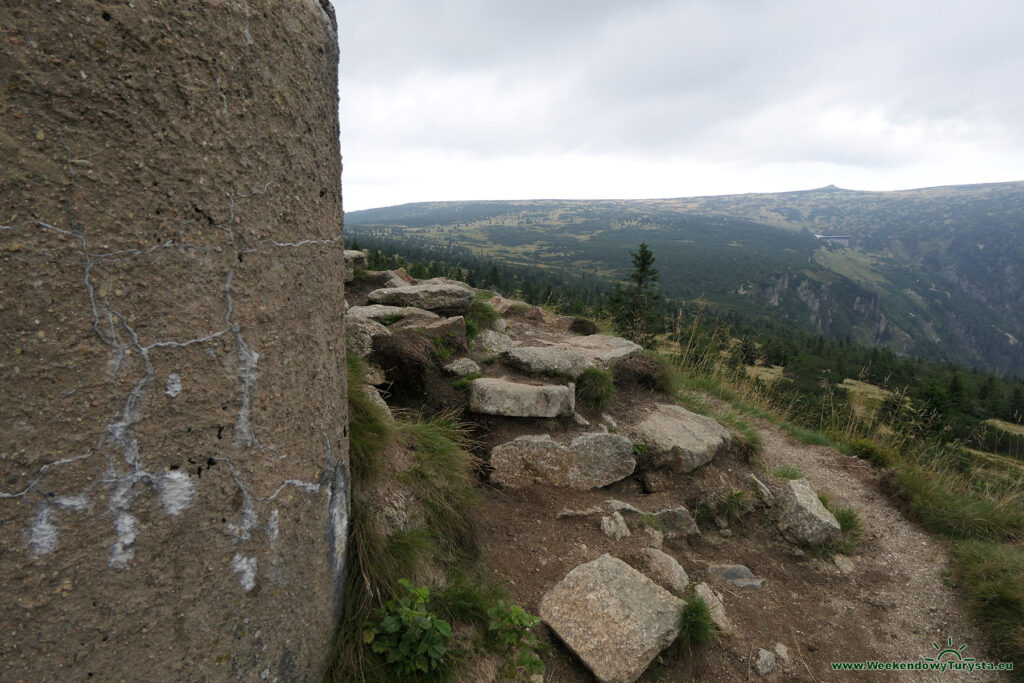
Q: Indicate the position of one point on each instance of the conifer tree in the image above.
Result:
(635, 304)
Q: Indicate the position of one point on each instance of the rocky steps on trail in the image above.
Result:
(593, 537)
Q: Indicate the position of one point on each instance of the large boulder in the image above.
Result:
(501, 397)
(805, 521)
(355, 261)
(590, 461)
(613, 617)
(443, 299)
(389, 314)
(547, 360)
(603, 349)
(679, 439)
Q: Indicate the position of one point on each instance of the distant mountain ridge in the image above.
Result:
(936, 272)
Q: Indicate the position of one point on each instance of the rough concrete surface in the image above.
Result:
(173, 435)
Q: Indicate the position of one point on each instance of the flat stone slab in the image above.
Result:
(389, 314)
(613, 617)
(679, 439)
(500, 397)
(547, 360)
(603, 349)
(805, 521)
(736, 575)
(448, 299)
(590, 461)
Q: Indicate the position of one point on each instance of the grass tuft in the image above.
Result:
(595, 388)
(696, 627)
(788, 472)
(992, 578)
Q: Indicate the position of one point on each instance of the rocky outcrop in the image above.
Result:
(805, 521)
(613, 617)
(680, 440)
(547, 360)
(172, 277)
(590, 461)
(500, 397)
(442, 299)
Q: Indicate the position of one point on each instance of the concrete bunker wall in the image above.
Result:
(173, 431)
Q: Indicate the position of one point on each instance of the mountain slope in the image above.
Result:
(936, 272)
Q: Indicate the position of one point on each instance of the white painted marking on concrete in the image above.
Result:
(43, 534)
(245, 567)
(177, 492)
(173, 386)
(121, 554)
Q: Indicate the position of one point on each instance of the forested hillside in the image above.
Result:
(936, 273)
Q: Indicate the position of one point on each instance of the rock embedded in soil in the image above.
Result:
(614, 526)
(679, 439)
(765, 662)
(665, 570)
(590, 461)
(460, 367)
(443, 299)
(613, 617)
(677, 522)
(501, 397)
(714, 603)
(547, 360)
(805, 521)
(450, 331)
(736, 575)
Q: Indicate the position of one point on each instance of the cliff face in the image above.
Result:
(173, 438)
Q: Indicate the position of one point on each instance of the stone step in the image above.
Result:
(491, 396)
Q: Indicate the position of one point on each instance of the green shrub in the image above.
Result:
(696, 627)
(509, 634)
(868, 450)
(413, 640)
(481, 316)
(734, 505)
(788, 472)
(370, 428)
(595, 388)
(850, 527)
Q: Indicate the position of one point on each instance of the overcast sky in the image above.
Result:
(523, 99)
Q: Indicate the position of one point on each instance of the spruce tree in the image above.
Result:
(635, 304)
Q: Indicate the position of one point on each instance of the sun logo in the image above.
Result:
(950, 650)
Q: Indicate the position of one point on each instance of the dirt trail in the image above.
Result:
(892, 607)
